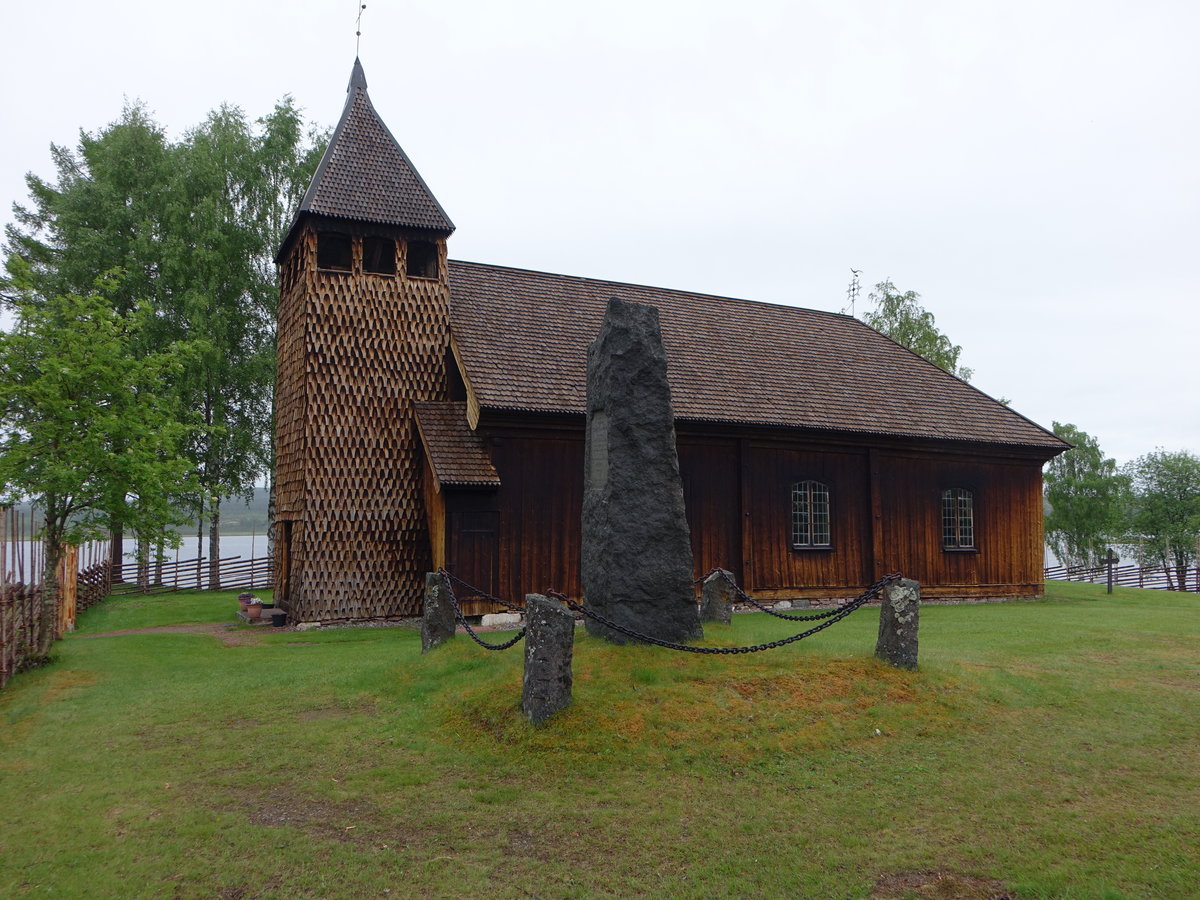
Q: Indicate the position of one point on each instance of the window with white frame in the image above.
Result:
(958, 519)
(810, 514)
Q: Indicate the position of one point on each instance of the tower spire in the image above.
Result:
(358, 78)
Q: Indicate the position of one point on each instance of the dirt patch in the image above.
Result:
(278, 806)
(324, 713)
(938, 886)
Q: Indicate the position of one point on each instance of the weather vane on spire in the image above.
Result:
(358, 29)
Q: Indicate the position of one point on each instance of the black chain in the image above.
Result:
(837, 615)
(462, 620)
(807, 617)
(482, 595)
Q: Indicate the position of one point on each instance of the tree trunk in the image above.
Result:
(52, 551)
(214, 545)
(143, 564)
(200, 546)
(116, 552)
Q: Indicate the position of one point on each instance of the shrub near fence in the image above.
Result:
(1156, 577)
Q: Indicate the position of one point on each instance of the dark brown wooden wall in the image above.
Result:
(540, 503)
(709, 471)
(1008, 524)
(725, 477)
(770, 472)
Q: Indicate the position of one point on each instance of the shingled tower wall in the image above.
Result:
(358, 345)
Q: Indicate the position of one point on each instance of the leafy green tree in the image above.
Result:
(224, 224)
(1087, 498)
(91, 429)
(103, 213)
(902, 318)
(1166, 508)
(193, 227)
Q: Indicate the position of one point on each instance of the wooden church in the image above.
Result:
(430, 413)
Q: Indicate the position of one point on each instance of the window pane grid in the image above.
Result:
(958, 518)
(810, 514)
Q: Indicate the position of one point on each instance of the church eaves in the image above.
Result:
(365, 176)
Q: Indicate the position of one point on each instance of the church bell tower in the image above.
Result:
(363, 330)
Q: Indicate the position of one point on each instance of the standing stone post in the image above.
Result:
(716, 598)
(549, 647)
(437, 615)
(636, 561)
(898, 620)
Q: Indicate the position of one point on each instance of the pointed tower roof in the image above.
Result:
(365, 175)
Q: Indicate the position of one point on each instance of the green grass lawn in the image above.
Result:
(1052, 746)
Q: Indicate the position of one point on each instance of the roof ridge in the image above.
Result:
(656, 287)
(523, 335)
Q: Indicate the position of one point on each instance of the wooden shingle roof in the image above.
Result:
(455, 452)
(522, 337)
(364, 175)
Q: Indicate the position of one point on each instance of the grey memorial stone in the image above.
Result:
(549, 646)
(437, 616)
(898, 620)
(716, 598)
(636, 562)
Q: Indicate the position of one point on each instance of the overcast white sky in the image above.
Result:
(1030, 168)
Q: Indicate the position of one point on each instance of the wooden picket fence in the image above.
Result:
(1156, 577)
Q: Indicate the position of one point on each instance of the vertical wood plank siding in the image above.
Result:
(709, 470)
(540, 501)
(1007, 558)
(540, 505)
(776, 563)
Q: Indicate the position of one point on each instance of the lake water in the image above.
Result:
(246, 546)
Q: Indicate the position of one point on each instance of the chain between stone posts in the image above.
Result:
(807, 617)
(447, 578)
(833, 617)
(827, 618)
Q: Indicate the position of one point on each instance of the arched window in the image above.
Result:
(958, 519)
(810, 514)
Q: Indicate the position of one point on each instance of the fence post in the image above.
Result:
(68, 589)
(437, 615)
(549, 648)
(899, 617)
(716, 597)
